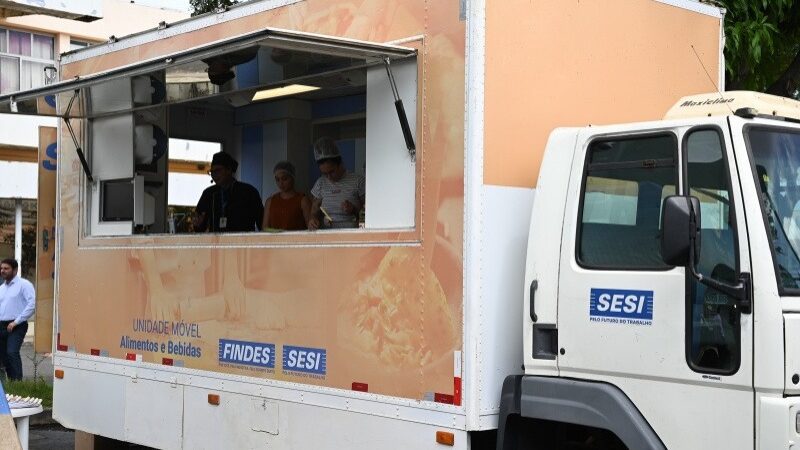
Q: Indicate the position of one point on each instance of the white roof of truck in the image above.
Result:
(727, 103)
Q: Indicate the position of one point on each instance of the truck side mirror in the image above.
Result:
(680, 230)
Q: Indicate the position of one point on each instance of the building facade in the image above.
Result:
(31, 39)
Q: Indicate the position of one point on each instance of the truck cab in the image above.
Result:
(662, 284)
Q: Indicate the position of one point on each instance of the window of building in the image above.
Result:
(42, 47)
(23, 58)
(624, 183)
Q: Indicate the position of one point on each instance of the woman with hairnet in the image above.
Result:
(287, 209)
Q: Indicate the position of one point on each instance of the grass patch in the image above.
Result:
(31, 388)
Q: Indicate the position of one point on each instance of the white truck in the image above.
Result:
(662, 276)
(403, 333)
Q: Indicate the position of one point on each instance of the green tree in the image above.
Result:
(762, 48)
(204, 6)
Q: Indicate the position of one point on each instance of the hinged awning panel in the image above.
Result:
(330, 54)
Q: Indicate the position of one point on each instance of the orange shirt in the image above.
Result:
(286, 213)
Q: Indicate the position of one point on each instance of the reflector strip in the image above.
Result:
(457, 378)
(95, 352)
(167, 361)
(59, 346)
(457, 391)
(360, 387)
(443, 398)
(133, 357)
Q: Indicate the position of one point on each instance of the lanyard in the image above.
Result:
(225, 196)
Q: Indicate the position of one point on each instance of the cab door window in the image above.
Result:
(624, 182)
(713, 321)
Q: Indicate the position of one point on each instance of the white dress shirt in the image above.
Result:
(17, 300)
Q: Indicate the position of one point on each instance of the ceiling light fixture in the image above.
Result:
(291, 89)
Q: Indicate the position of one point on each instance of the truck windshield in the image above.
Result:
(776, 157)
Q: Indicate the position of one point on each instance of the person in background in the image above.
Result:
(287, 209)
(17, 303)
(337, 196)
(230, 205)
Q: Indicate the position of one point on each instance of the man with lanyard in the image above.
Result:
(229, 205)
(17, 302)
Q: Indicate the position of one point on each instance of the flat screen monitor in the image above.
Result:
(116, 199)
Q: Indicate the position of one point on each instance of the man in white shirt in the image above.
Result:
(17, 302)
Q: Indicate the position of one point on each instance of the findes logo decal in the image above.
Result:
(256, 354)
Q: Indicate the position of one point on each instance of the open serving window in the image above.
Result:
(263, 98)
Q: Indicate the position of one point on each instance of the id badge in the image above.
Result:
(223, 222)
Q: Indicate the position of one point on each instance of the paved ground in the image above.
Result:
(51, 439)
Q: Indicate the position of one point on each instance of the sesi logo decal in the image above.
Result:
(621, 306)
(312, 361)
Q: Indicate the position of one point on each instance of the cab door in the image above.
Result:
(678, 350)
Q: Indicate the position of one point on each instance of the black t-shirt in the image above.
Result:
(237, 208)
